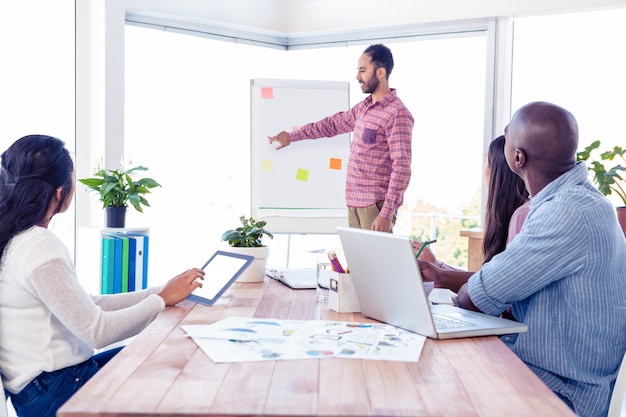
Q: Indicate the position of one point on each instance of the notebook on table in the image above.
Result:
(389, 287)
(295, 278)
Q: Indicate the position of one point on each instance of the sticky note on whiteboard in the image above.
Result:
(335, 163)
(267, 166)
(302, 174)
(267, 92)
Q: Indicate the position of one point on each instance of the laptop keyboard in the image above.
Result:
(442, 322)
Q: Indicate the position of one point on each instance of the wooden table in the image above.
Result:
(163, 373)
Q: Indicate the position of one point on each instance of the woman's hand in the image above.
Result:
(179, 287)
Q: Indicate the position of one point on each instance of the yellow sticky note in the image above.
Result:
(335, 163)
(267, 92)
(267, 166)
(302, 174)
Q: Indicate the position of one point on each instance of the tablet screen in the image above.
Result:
(221, 270)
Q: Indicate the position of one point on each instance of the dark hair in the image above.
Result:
(381, 57)
(31, 171)
(506, 193)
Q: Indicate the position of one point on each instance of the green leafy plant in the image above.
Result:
(248, 235)
(609, 180)
(117, 188)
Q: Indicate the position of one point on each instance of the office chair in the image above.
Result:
(4, 411)
(617, 407)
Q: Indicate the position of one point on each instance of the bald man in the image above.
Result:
(564, 274)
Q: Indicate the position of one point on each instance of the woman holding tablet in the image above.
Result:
(49, 325)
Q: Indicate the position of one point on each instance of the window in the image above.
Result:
(575, 60)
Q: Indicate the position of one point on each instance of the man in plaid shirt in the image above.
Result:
(379, 167)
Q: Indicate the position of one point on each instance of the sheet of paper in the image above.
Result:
(442, 296)
(243, 339)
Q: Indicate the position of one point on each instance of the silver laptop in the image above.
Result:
(295, 278)
(389, 287)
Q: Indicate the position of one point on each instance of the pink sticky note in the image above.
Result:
(267, 92)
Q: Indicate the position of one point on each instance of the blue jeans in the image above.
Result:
(45, 394)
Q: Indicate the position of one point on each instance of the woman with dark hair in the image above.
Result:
(49, 325)
(507, 201)
(507, 207)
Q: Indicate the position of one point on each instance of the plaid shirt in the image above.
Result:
(379, 168)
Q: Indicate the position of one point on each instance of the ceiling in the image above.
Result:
(319, 16)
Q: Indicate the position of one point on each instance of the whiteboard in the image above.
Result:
(300, 188)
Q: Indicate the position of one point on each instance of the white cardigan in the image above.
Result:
(47, 320)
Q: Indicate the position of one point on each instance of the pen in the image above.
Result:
(424, 244)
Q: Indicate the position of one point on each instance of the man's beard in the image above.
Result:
(370, 86)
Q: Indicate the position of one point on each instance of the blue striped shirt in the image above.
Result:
(565, 276)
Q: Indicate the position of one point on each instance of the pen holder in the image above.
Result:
(342, 297)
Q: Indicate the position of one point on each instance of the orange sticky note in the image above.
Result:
(302, 174)
(267, 92)
(335, 163)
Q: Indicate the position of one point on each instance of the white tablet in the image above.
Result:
(221, 270)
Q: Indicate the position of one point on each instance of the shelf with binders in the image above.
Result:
(124, 260)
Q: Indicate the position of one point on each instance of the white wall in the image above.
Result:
(37, 78)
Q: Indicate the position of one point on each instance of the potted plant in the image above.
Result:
(117, 188)
(247, 239)
(609, 180)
